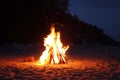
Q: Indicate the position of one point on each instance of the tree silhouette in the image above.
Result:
(32, 20)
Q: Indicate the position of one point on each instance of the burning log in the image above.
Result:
(54, 52)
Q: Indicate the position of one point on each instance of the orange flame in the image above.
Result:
(54, 52)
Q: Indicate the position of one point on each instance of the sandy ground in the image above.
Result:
(87, 63)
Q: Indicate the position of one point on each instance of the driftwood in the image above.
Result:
(29, 59)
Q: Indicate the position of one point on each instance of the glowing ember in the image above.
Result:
(54, 52)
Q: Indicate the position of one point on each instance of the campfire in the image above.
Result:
(54, 52)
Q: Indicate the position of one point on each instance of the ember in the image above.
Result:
(54, 52)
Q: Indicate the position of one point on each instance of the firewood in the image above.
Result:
(29, 59)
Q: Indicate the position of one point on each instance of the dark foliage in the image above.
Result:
(28, 21)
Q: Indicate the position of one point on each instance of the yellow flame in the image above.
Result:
(54, 52)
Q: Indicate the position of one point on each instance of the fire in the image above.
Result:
(54, 52)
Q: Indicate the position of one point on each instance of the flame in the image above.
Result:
(54, 52)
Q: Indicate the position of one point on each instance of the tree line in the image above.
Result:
(29, 21)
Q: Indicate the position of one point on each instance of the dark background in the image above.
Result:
(26, 21)
(103, 13)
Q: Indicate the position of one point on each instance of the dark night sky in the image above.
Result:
(103, 13)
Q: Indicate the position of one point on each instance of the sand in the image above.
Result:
(78, 66)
